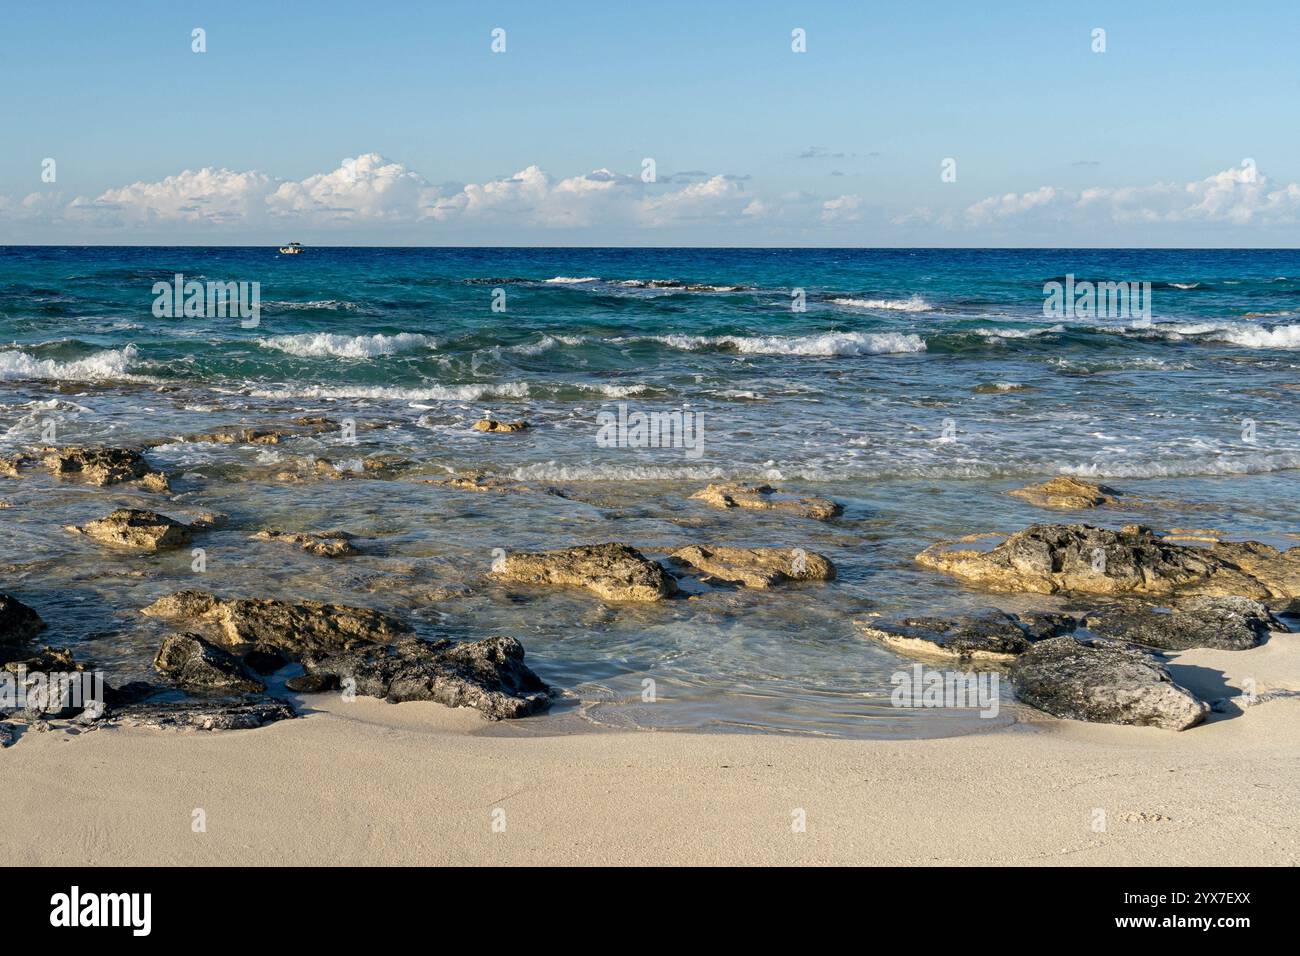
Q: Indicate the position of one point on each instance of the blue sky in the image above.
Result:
(753, 144)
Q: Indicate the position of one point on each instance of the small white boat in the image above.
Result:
(292, 249)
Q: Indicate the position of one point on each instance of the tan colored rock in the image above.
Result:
(306, 626)
(11, 466)
(137, 530)
(1067, 492)
(325, 544)
(492, 425)
(756, 567)
(615, 572)
(767, 498)
(1047, 558)
(376, 466)
(238, 435)
(156, 481)
(97, 466)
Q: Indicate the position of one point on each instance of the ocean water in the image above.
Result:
(916, 387)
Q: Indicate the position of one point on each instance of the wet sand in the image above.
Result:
(372, 783)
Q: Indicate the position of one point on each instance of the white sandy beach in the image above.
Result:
(373, 783)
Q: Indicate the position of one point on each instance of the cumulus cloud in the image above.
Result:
(842, 209)
(372, 189)
(1240, 196)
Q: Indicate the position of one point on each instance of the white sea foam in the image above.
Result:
(1026, 333)
(314, 344)
(912, 304)
(545, 344)
(1200, 465)
(821, 344)
(453, 393)
(1258, 337)
(572, 280)
(111, 364)
(331, 305)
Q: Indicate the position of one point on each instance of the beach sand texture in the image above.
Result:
(416, 783)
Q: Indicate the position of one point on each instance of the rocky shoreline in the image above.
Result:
(1136, 594)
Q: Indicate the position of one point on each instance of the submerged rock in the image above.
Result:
(1047, 558)
(376, 466)
(767, 498)
(18, 622)
(614, 571)
(1225, 623)
(489, 675)
(191, 662)
(492, 425)
(1066, 492)
(756, 567)
(482, 481)
(307, 626)
(138, 530)
(989, 636)
(238, 435)
(11, 466)
(1103, 684)
(325, 544)
(103, 466)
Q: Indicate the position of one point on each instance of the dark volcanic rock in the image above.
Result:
(18, 622)
(193, 663)
(294, 628)
(489, 675)
(1225, 623)
(1047, 558)
(1104, 684)
(990, 636)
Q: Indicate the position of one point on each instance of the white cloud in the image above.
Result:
(372, 189)
(842, 209)
(209, 195)
(1240, 196)
(368, 187)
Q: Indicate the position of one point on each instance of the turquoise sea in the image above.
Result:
(915, 386)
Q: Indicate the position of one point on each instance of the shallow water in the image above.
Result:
(917, 388)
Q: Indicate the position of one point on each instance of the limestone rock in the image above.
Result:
(756, 567)
(193, 663)
(1066, 492)
(489, 675)
(238, 435)
(137, 530)
(11, 466)
(492, 425)
(1049, 558)
(18, 622)
(1225, 623)
(616, 572)
(97, 466)
(988, 636)
(325, 544)
(767, 498)
(1103, 684)
(235, 713)
(294, 628)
